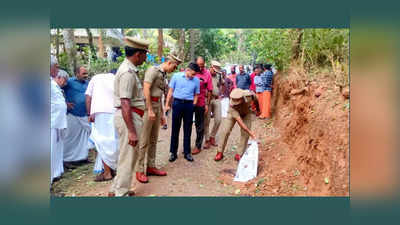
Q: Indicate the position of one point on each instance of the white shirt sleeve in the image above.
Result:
(89, 90)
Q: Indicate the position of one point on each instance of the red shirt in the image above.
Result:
(205, 85)
(252, 85)
(233, 79)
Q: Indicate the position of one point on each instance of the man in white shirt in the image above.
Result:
(58, 123)
(100, 107)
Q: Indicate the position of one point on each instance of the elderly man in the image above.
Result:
(185, 88)
(153, 89)
(77, 136)
(53, 66)
(243, 80)
(239, 112)
(100, 107)
(201, 108)
(58, 124)
(129, 101)
(214, 106)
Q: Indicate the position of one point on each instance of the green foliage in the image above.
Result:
(322, 46)
(272, 46)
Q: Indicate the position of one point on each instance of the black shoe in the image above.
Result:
(173, 157)
(69, 166)
(189, 157)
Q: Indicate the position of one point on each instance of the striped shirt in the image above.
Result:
(267, 77)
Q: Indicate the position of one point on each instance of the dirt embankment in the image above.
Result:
(309, 153)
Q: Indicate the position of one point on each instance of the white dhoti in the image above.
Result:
(56, 148)
(76, 138)
(224, 107)
(105, 139)
(58, 122)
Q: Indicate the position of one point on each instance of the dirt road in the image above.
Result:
(199, 178)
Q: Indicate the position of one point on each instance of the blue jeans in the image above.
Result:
(181, 110)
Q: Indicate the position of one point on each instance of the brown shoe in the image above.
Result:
(196, 151)
(237, 157)
(219, 156)
(141, 177)
(207, 145)
(212, 142)
(155, 171)
(130, 193)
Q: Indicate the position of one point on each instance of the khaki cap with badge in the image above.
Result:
(216, 66)
(175, 58)
(237, 94)
(137, 43)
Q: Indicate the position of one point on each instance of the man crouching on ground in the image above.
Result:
(239, 111)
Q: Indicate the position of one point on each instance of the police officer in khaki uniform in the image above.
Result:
(214, 106)
(153, 89)
(129, 101)
(239, 111)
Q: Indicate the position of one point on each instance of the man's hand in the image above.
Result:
(167, 108)
(206, 109)
(152, 116)
(132, 138)
(70, 105)
(91, 118)
(163, 120)
(252, 135)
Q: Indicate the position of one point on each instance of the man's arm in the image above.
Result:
(244, 127)
(169, 96)
(127, 116)
(88, 102)
(195, 99)
(146, 93)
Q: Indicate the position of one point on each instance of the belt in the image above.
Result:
(138, 111)
(154, 99)
(183, 100)
(215, 96)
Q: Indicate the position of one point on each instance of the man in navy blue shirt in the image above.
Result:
(77, 136)
(185, 88)
(243, 80)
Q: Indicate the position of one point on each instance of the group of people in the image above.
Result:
(126, 114)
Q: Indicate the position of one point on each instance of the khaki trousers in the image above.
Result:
(227, 125)
(128, 154)
(148, 140)
(215, 108)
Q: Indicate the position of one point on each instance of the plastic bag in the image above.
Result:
(247, 168)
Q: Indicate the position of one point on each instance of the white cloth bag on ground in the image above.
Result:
(247, 168)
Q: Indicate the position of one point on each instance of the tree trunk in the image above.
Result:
(191, 43)
(92, 48)
(181, 44)
(58, 43)
(160, 44)
(240, 45)
(69, 43)
(296, 45)
(100, 44)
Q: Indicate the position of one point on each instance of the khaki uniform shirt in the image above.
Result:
(155, 75)
(216, 84)
(242, 109)
(127, 85)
